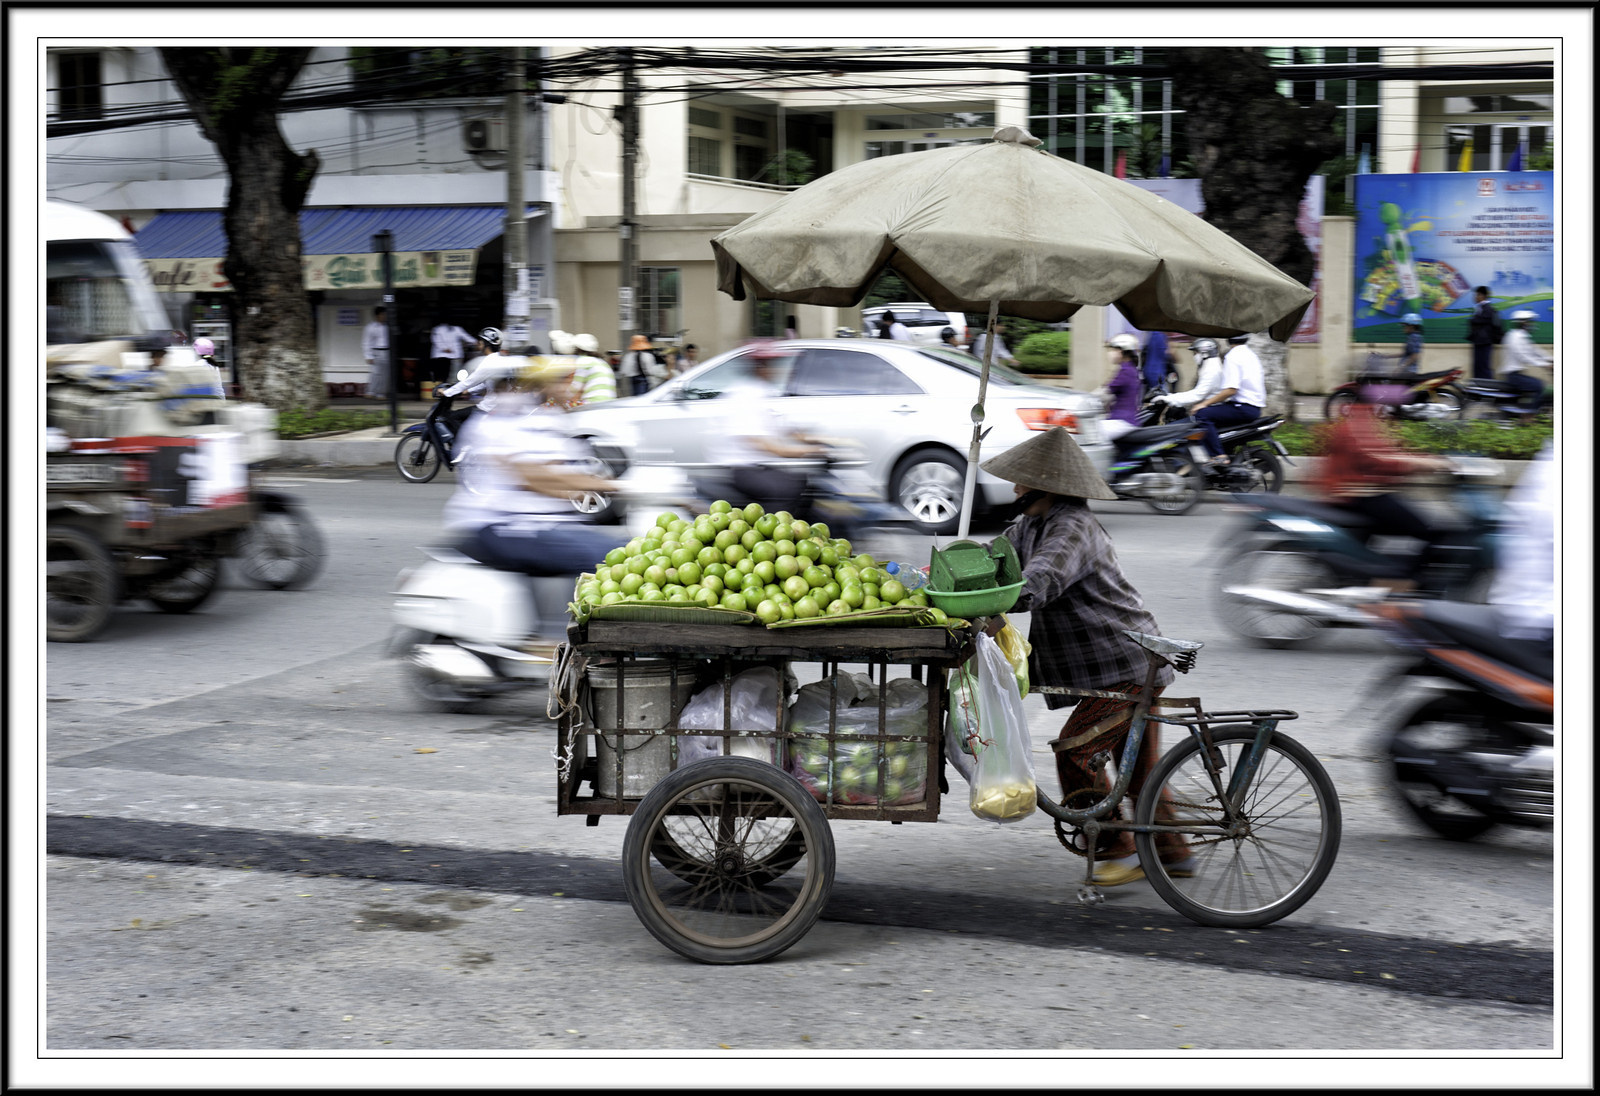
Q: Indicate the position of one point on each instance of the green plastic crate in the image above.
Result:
(963, 566)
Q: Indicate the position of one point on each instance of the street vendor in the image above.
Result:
(1081, 603)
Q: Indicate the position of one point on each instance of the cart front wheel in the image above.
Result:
(1285, 842)
(700, 861)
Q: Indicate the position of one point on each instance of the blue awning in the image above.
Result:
(198, 234)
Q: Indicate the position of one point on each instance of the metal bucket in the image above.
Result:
(651, 703)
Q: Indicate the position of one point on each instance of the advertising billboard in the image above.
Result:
(1424, 241)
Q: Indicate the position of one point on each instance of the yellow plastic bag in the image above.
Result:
(1016, 649)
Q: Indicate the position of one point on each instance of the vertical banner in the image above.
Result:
(1424, 241)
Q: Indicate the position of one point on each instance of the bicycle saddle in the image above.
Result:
(1177, 652)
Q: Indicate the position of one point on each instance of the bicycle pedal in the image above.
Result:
(1090, 895)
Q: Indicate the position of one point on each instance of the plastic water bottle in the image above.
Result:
(909, 575)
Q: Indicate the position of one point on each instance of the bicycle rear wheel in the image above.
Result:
(1285, 846)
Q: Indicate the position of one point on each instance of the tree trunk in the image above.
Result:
(234, 94)
(1254, 149)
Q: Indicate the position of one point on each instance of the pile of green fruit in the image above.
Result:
(773, 565)
(850, 770)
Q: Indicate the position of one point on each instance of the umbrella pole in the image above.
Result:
(977, 423)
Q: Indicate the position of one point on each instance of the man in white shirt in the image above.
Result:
(448, 343)
(1517, 355)
(518, 474)
(1241, 399)
(891, 328)
(375, 349)
(1002, 352)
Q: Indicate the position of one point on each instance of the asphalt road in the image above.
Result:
(256, 842)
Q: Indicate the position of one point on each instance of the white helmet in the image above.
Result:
(560, 342)
(586, 344)
(1204, 348)
(1523, 314)
(1124, 342)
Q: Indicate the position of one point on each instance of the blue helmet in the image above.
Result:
(1412, 319)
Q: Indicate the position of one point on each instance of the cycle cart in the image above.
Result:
(730, 859)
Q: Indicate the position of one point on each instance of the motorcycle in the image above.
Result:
(1420, 397)
(1165, 463)
(1497, 399)
(1476, 750)
(427, 446)
(1298, 566)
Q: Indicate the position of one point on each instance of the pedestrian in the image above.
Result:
(691, 357)
(1002, 352)
(791, 329)
(375, 349)
(1156, 364)
(1121, 392)
(891, 328)
(1081, 608)
(947, 337)
(205, 353)
(1484, 333)
(593, 377)
(641, 368)
(448, 343)
(1518, 356)
(1411, 354)
(1241, 399)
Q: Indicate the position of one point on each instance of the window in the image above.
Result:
(750, 162)
(848, 373)
(78, 87)
(700, 116)
(660, 304)
(738, 372)
(1492, 146)
(974, 119)
(705, 156)
(429, 73)
(750, 127)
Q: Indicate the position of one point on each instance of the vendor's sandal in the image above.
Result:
(1117, 872)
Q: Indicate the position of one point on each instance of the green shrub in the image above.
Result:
(1046, 352)
(1477, 438)
(299, 424)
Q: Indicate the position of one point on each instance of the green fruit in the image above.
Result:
(707, 598)
(733, 553)
(769, 612)
(806, 608)
(681, 555)
(808, 550)
(815, 577)
(870, 602)
(719, 569)
(837, 607)
(842, 546)
(692, 545)
(689, 572)
(656, 573)
(611, 586)
(680, 598)
(738, 527)
(871, 588)
(631, 584)
(725, 539)
(939, 615)
(788, 610)
(721, 506)
(775, 592)
(831, 590)
(853, 596)
(650, 545)
(713, 583)
(753, 511)
(749, 539)
(652, 595)
(745, 566)
(870, 572)
(617, 555)
(719, 522)
(847, 574)
(611, 598)
(802, 530)
(765, 524)
(766, 570)
(796, 587)
(731, 600)
(707, 556)
(783, 531)
(664, 520)
(818, 529)
(785, 546)
(828, 557)
(752, 582)
(764, 551)
(637, 564)
(892, 591)
(672, 588)
(786, 566)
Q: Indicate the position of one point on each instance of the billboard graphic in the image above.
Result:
(1424, 241)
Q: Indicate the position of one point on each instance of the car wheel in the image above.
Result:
(929, 483)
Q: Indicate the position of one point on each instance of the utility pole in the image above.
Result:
(515, 239)
(627, 269)
(383, 244)
(541, 236)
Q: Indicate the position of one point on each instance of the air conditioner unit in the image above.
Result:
(484, 135)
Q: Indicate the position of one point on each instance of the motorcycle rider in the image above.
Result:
(1517, 355)
(513, 506)
(485, 368)
(1361, 468)
(756, 434)
(1241, 399)
(1208, 380)
(1523, 593)
(1121, 392)
(1411, 355)
(594, 379)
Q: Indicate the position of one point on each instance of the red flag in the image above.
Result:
(1416, 160)
(1121, 170)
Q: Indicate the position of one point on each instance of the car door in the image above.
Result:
(858, 395)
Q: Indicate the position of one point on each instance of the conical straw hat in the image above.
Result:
(1051, 462)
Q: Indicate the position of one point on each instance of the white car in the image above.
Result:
(923, 321)
(908, 408)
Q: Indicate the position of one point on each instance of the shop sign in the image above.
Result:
(188, 275)
(411, 269)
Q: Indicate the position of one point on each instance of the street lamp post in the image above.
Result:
(383, 244)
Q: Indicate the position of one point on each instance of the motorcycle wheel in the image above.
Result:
(1338, 405)
(81, 586)
(283, 550)
(1452, 399)
(416, 458)
(1266, 470)
(189, 588)
(436, 693)
(1442, 723)
(1188, 494)
(1277, 567)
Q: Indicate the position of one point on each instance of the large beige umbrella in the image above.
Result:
(1006, 227)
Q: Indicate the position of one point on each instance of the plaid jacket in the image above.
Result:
(1080, 601)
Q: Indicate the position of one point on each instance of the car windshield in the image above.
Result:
(998, 374)
(97, 289)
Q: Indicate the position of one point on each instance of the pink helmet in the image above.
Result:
(204, 348)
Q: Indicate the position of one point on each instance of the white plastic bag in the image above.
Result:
(754, 707)
(850, 769)
(961, 725)
(1003, 787)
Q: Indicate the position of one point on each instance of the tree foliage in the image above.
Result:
(234, 93)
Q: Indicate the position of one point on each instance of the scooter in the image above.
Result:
(1477, 749)
(1421, 397)
(427, 446)
(1166, 464)
(1497, 399)
(1298, 566)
